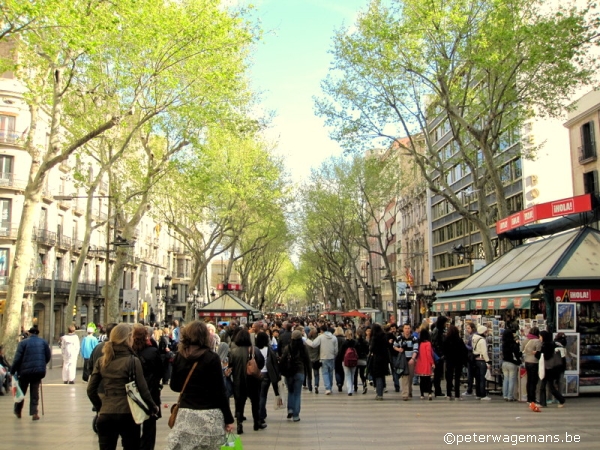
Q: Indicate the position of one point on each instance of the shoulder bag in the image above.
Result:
(139, 409)
(175, 407)
(251, 366)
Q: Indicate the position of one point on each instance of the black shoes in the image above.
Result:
(339, 388)
(289, 416)
(259, 426)
(240, 428)
(316, 390)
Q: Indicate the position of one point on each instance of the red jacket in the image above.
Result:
(425, 361)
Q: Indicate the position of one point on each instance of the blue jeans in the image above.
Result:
(349, 374)
(328, 370)
(294, 384)
(509, 371)
(480, 370)
(379, 385)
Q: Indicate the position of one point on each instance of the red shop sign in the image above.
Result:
(518, 302)
(503, 303)
(478, 304)
(491, 303)
(577, 295)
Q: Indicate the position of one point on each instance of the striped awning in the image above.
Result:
(499, 300)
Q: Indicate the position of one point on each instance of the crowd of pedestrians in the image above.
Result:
(208, 364)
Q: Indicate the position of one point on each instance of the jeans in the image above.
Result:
(328, 370)
(360, 372)
(509, 372)
(294, 384)
(349, 373)
(406, 380)
(470, 377)
(34, 394)
(339, 378)
(111, 426)
(253, 393)
(395, 376)
(264, 391)
(453, 372)
(379, 386)
(316, 376)
(148, 439)
(480, 370)
(532, 380)
(551, 379)
(438, 376)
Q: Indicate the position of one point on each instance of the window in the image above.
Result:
(5, 212)
(590, 182)
(588, 142)
(7, 129)
(6, 168)
(517, 168)
(4, 257)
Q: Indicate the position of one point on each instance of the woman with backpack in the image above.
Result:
(349, 360)
(554, 365)
(294, 363)
(362, 348)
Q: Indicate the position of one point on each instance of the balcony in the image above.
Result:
(587, 153)
(47, 195)
(63, 242)
(11, 137)
(8, 181)
(63, 287)
(78, 207)
(9, 230)
(45, 237)
(76, 245)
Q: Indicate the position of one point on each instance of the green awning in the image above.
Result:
(499, 300)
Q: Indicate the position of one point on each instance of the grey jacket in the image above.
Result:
(327, 343)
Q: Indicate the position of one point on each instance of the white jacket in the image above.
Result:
(327, 343)
(69, 346)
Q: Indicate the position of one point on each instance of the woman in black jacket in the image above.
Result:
(270, 373)
(295, 359)
(204, 415)
(455, 354)
(511, 360)
(552, 371)
(379, 365)
(362, 348)
(245, 386)
(153, 372)
(113, 369)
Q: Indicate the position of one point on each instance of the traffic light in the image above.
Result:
(2, 303)
(74, 310)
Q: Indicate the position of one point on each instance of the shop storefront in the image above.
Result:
(552, 284)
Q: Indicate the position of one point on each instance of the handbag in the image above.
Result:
(251, 366)
(175, 407)
(489, 376)
(139, 409)
(16, 390)
(542, 367)
(232, 441)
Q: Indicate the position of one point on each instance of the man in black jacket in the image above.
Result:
(285, 337)
(29, 365)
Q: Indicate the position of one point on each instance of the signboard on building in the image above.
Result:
(130, 300)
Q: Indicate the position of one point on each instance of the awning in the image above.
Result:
(499, 300)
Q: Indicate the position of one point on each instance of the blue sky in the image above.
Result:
(287, 69)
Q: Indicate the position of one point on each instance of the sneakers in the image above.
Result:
(364, 389)
(486, 398)
(466, 394)
(289, 416)
(18, 414)
(350, 394)
(316, 390)
(327, 392)
(378, 398)
(562, 405)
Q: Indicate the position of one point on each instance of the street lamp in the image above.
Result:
(161, 296)
(410, 298)
(430, 290)
(193, 298)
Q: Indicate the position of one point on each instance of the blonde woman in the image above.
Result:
(114, 415)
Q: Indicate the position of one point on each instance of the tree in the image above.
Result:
(474, 68)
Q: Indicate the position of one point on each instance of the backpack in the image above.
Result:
(351, 357)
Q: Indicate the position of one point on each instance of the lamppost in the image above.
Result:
(193, 299)
(429, 292)
(161, 296)
(410, 298)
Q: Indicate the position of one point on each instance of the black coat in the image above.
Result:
(31, 357)
(379, 366)
(153, 371)
(455, 351)
(238, 358)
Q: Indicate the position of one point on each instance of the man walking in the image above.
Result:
(69, 346)
(87, 347)
(328, 344)
(408, 344)
(29, 364)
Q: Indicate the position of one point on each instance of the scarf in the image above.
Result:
(532, 336)
(192, 352)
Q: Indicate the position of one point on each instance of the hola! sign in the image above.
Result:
(558, 208)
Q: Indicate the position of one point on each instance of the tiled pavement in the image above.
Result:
(328, 422)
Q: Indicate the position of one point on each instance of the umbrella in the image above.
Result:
(355, 313)
(337, 312)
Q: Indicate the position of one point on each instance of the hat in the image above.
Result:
(296, 334)
(481, 329)
(90, 330)
(34, 330)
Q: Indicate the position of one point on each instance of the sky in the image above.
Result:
(287, 68)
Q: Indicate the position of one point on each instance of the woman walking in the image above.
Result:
(113, 369)
(425, 363)
(531, 348)
(379, 366)
(349, 363)
(245, 386)
(362, 348)
(298, 364)
(455, 354)
(269, 372)
(552, 371)
(153, 372)
(204, 415)
(339, 367)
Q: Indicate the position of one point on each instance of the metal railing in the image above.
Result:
(45, 237)
(9, 230)
(10, 137)
(8, 180)
(587, 152)
(63, 242)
